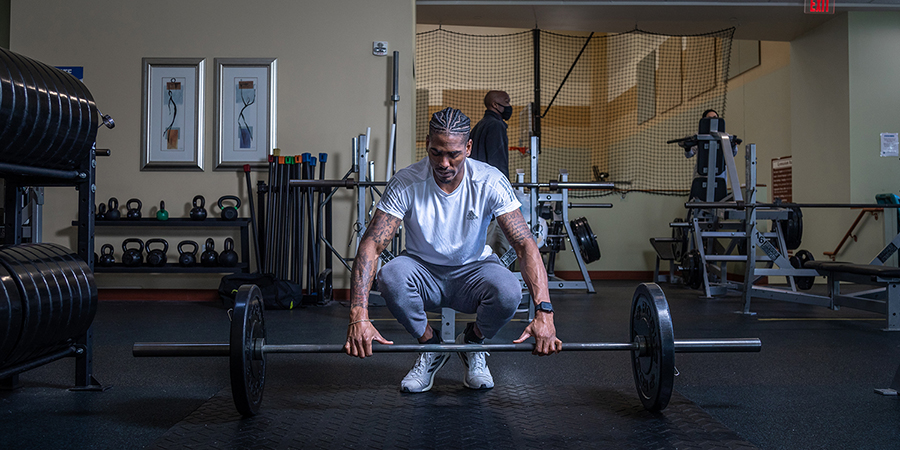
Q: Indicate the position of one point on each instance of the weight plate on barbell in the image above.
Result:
(654, 371)
(10, 315)
(248, 366)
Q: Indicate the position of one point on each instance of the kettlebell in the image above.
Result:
(187, 259)
(157, 257)
(101, 212)
(229, 212)
(229, 257)
(162, 214)
(133, 257)
(107, 258)
(113, 212)
(210, 257)
(198, 212)
(133, 213)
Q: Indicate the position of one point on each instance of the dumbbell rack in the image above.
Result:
(173, 267)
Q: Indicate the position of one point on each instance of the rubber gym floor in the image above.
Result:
(811, 387)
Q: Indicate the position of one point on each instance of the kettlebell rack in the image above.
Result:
(172, 265)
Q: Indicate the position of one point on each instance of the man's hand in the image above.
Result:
(544, 333)
(359, 339)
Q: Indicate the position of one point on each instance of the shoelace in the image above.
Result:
(422, 364)
(478, 361)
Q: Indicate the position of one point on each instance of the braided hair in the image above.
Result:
(449, 121)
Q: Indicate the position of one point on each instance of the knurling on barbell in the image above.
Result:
(652, 344)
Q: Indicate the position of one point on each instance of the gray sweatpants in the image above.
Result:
(411, 286)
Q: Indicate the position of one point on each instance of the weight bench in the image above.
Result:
(884, 300)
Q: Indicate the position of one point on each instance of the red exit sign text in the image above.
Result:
(818, 6)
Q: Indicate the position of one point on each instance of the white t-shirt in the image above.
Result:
(448, 229)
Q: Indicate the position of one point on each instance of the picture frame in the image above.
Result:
(172, 113)
(245, 127)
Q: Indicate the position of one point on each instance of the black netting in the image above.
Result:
(608, 103)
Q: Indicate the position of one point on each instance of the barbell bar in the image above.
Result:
(151, 349)
(652, 345)
(737, 205)
(351, 183)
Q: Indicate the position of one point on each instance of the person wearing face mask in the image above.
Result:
(490, 142)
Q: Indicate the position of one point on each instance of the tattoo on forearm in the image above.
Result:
(380, 233)
(515, 228)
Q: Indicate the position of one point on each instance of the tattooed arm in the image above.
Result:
(535, 276)
(361, 332)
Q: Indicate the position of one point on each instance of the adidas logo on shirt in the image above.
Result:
(471, 215)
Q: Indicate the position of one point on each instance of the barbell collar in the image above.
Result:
(150, 349)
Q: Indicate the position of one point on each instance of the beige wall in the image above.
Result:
(330, 88)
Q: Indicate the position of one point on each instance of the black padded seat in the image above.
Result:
(858, 269)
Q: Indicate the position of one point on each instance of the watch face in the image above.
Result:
(545, 307)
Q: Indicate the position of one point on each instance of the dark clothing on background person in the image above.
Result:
(490, 143)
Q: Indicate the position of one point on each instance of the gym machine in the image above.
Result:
(766, 253)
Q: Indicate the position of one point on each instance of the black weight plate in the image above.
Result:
(792, 229)
(7, 97)
(62, 284)
(68, 132)
(89, 116)
(32, 113)
(248, 368)
(10, 315)
(70, 286)
(37, 309)
(18, 116)
(84, 273)
(799, 261)
(46, 146)
(44, 119)
(587, 241)
(57, 291)
(70, 118)
(654, 372)
(691, 272)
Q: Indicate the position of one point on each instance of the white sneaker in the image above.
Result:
(421, 376)
(478, 376)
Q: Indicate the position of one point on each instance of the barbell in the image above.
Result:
(351, 183)
(653, 347)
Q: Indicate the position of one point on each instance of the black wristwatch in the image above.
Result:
(544, 307)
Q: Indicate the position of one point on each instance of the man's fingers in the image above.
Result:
(521, 339)
(381, 340)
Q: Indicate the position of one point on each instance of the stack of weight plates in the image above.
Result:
(47, 117)
(48, 299)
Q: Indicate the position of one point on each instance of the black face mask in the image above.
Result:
(507, 112)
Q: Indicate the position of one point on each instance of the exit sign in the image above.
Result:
(818, 6)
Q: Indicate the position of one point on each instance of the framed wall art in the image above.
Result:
(172, 114)
(245, 125)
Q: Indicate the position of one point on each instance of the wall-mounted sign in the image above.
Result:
(76, 71)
